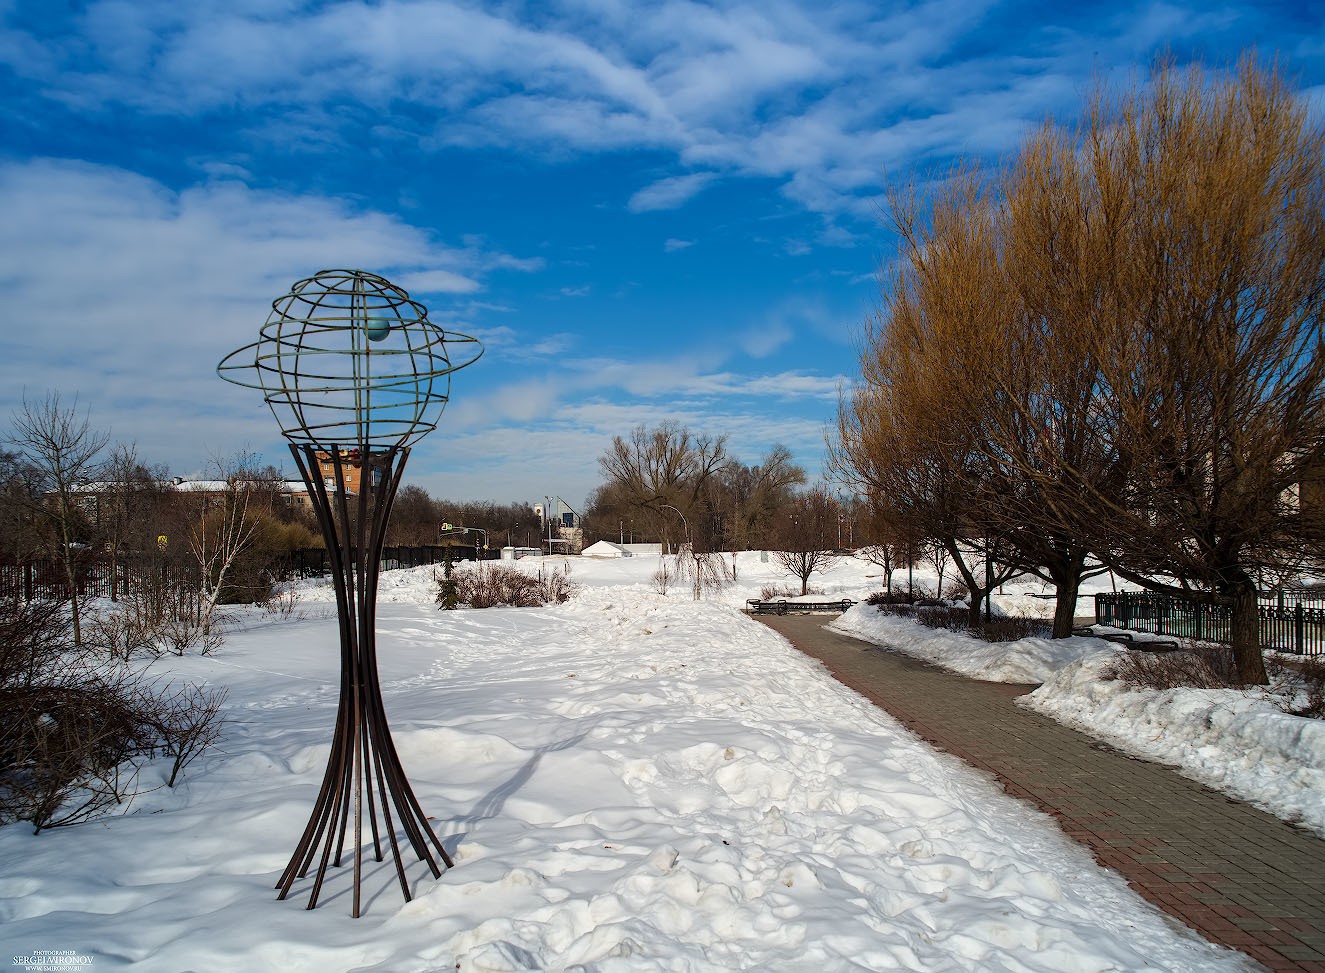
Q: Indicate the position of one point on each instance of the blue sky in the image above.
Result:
(645, 211)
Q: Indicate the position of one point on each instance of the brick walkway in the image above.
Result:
(1238, 876)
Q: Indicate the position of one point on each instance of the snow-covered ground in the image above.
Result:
(630, 781)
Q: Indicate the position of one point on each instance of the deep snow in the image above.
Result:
(631, 781)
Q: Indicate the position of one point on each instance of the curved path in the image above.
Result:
(1238, 876)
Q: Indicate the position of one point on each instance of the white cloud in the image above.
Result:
(822, 99)
(673, 244)
(669, 193)
(118, 277)
(437, 282)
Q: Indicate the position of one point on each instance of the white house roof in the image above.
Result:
(606, 549)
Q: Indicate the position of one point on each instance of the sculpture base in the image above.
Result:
(364, 777)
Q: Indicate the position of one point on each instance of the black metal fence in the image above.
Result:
(1287, 625)
(313, 562)
(45, 579)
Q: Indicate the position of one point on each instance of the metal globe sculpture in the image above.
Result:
(348, 357)
(355, 374)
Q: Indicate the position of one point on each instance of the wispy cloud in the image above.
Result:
(673, 244)
(669, 193)
(438, 282)
(822, 99)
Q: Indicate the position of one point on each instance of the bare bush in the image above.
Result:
(662, 578)
(499, 584)
(880, 599)
(957, 591)
(784, 591)
(156, 617)
(66, 744)
(75, 726)
(1196, 666)
(187, 720)
(556, 587)
(33, 637)
(943, 616)
(283, 603)
(1298, 688)
(1013, 629)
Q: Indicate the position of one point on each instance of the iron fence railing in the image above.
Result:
(1288, 598)
(313, 562)
(1296, 627)
(46, 579)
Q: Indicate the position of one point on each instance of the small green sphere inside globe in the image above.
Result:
(377, 328)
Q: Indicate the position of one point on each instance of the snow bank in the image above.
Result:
(1236, 741)
(1031, 660)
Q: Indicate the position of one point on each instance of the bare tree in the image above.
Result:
(62, 450)
(665, 466)
(1219, 396)
(1134, 339)
(752, 497)
(130, 506)
(227, 524)
(908, 433)
(807, 538)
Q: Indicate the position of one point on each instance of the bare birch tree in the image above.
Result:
(60, 447)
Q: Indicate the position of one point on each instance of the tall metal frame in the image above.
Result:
(355, 373)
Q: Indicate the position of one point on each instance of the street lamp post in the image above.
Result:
(685, 523)
(689, 543)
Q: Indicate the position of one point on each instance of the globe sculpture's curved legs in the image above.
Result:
(363, 765)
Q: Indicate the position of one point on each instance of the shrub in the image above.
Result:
(75, 726)
(881, 598)
(1009, 628)
(157, 616)
(556, 587)
(942, 616)
(501, 584)
(770, 591)
(1298, 688)
(1196, 666)
(284, 603)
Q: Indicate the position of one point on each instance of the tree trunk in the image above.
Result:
(977, 591)
(1065, 568)
(1065, 608)
(1246, 633)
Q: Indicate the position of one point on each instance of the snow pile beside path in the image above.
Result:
(627, 782)
(1031, 660)
(1235, 741)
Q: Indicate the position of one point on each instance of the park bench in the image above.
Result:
(782, 606)
(1142, 645)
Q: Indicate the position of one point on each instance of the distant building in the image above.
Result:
(351, 466)
(561, 531)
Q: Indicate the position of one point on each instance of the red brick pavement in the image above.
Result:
(1238, 876)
